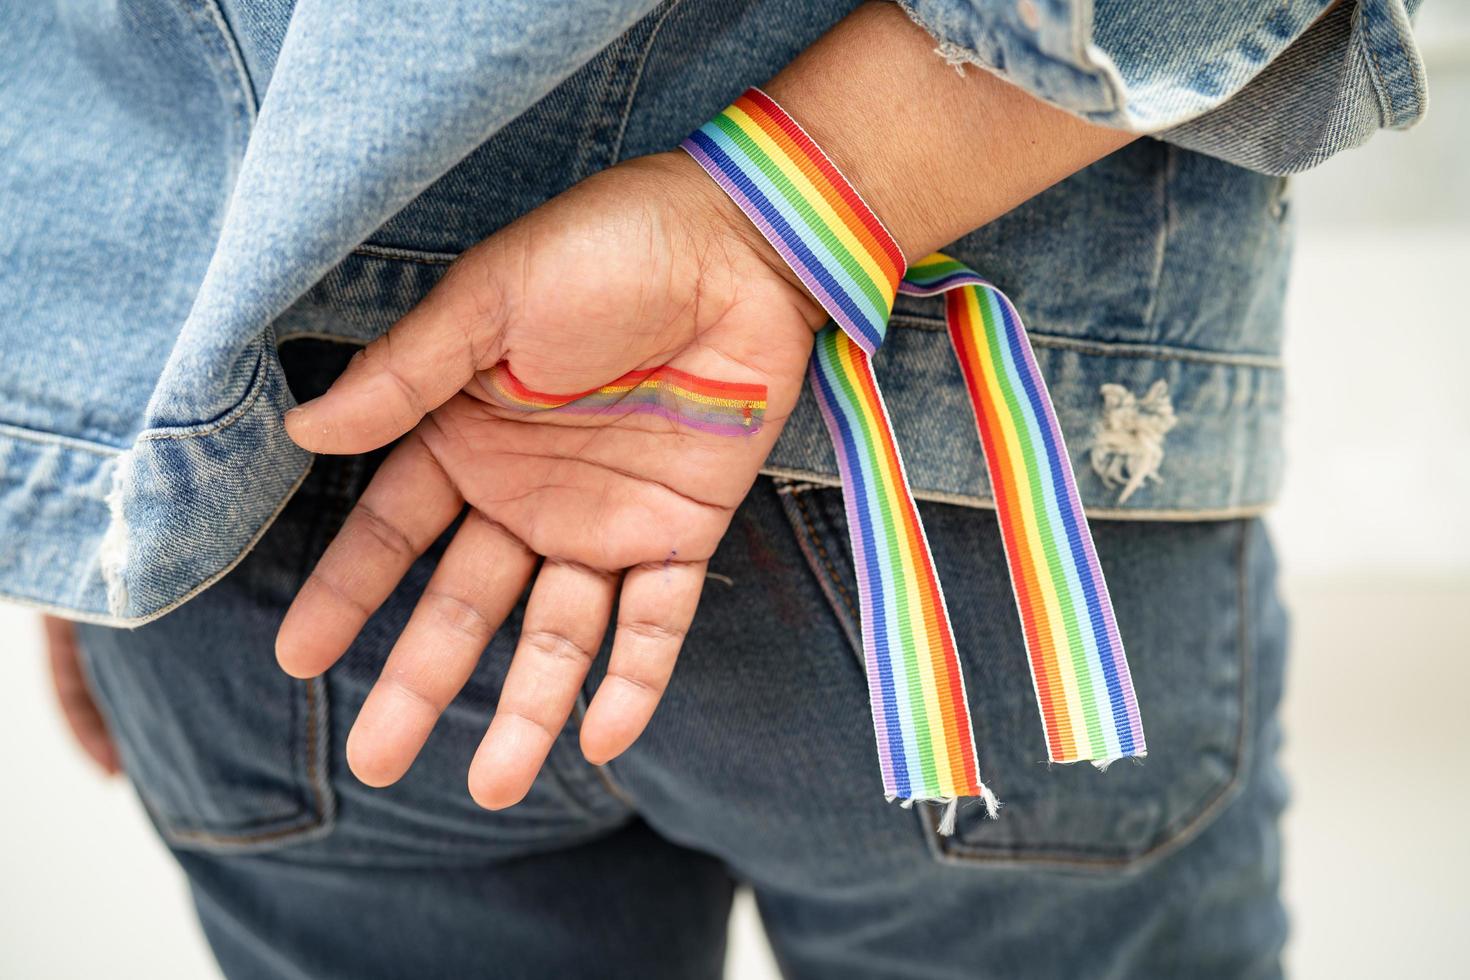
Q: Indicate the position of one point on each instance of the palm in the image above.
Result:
(619, 489)
(641, 267)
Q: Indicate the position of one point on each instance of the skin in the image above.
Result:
(645, 264)
(73, 696)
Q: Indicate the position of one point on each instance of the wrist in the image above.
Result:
(720, 221)
(934, 151)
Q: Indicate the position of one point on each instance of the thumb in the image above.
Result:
(418, 365)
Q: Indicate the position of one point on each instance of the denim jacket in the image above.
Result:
(185, 185)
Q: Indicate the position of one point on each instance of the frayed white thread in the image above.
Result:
(992, 805)
(112, 554)
(1128, 443)
(955, 56)
(950, 816)
(723, 579)
(951, 811)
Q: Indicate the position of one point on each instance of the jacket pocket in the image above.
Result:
(1182, 596)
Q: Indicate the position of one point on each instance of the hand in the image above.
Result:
(77, 706)
(643, 265)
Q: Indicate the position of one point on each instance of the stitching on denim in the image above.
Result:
(322, 335)
(314, 764)
(1166, 227)
(237, 59)
(1190, 516)
(636, 81)
(602, 773)
(318, 817)
(1173, 835)
(850, 624)
(128, 622)
(255, 387)
(1103, 348)
(816, 540)
(1387, 113)
(395, 253)
(54, 439)
(573, 781)
(227, 65)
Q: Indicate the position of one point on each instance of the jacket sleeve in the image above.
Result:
(1275, 87)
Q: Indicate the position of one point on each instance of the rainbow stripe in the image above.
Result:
(1077, 663)
(718, 407)
(921, 716)
(843, 254)
(806, 209)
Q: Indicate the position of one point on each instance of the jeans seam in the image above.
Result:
(1161, 246)
(820, 563)
(1178, 515)
(316, 817)
(636, 81)
(50, 439)
(602, 774)
(1110, 348)
(825, 557)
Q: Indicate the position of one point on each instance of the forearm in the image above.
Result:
(935, 153)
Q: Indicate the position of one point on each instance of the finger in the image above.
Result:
(566, 617)
(408, 504)
(77, 705)
(412, 369)
(654, 612)
(482, 574)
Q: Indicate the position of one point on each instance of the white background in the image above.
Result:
(1374, 532)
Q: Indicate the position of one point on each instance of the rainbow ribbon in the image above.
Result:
(720, 407)
(829, 236)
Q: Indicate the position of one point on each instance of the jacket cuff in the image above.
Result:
(1275, 88)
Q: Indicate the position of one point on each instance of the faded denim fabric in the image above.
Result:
(186, 183)
(1275, 87)
(758, 768)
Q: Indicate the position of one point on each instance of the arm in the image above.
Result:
(936, 152)
(645, 266)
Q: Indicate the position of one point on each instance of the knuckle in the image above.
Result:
(385, 532)
(556, 645)
(582, 568)
(459, 616)
(650, 630)
(415, 693)
(528, 718)
(326, 580)
(653, 684)
(496, 528)
(379, 356)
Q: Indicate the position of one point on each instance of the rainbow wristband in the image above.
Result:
(832, 240)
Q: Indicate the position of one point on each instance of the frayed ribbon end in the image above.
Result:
(951, 813)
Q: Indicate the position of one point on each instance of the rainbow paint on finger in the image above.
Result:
(717, 407)
(831, 239)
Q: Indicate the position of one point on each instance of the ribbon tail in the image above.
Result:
(921, 716)
(1078, 667)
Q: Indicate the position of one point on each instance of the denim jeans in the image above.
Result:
(758, 768)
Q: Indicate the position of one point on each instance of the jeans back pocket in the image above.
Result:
(1185, 602)
(226, 750)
